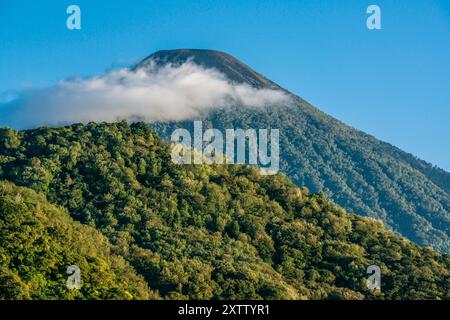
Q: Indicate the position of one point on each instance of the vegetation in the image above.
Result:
(191, 231)
(360, 173)
(38, 242)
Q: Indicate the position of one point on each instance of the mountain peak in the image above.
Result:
(235, 70)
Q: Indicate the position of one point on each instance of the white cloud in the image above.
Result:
(156, 94)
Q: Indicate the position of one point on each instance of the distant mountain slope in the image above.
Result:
(359, 172)
(194, 231)
(38, 242)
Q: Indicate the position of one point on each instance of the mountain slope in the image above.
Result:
(38, 242)
(213, 232)
(359, 172)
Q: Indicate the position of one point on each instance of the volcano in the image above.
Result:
(359, 172)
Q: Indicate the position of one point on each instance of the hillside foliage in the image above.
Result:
(191, 231)
(360, 173)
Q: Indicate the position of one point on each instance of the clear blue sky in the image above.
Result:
(393, 83)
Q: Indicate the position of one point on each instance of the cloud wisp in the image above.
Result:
(158, 93)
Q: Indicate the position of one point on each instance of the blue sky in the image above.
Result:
(393, 83)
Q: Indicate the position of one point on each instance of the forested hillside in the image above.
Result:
(200, 232)
(360, 173)
(38, 242)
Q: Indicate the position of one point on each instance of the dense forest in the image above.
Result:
(360, 173)
(107, 197)
(38, 241)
